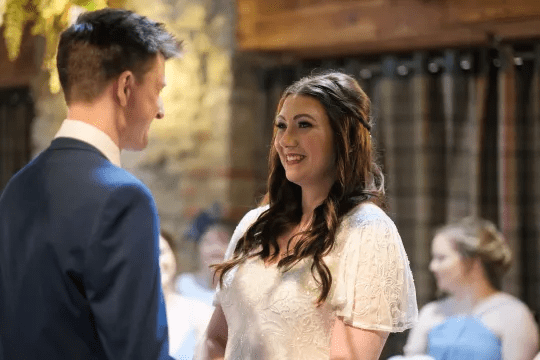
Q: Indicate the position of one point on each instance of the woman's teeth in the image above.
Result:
(294, 157)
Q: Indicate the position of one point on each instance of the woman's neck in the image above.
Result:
(312, 197)
(473, 295)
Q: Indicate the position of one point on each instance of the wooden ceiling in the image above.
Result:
(319, 28)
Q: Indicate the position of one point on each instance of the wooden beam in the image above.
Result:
(333, 27)
(462, 12)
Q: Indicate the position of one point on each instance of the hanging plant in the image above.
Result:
(49, 18)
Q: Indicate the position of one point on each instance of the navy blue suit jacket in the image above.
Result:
(79, 261)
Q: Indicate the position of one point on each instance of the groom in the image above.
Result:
(79, 269)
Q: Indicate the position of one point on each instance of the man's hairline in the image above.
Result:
(139, 79)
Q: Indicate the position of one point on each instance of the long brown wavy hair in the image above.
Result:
(358, 179)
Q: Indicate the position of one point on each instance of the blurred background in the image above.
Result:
(455, 89)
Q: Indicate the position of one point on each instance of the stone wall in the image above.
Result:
(187, 164)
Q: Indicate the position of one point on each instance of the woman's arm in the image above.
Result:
(519, 333)
(215, 339)
(352, 343)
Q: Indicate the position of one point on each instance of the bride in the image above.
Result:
(319, 271)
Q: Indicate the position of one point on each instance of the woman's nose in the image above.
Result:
(288, 139)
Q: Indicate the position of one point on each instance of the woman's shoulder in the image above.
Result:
(250, 217)
(510, 319)
(501, 302)
(506, 298)
(505, 303)
(367, 213)
(368, 219)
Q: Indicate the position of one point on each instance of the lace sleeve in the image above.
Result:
(374, 284)
(241, 228)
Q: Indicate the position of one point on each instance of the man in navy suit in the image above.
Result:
(79, 268)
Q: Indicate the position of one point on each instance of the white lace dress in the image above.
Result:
(272, 315)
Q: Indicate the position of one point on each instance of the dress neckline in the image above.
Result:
(460, 309)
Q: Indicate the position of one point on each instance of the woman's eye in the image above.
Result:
(280, 125)
(304, 124)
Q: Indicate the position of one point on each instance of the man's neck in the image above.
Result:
(100, 114)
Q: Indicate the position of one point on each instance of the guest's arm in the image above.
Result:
(519, 333)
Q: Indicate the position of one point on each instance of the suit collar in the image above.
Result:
(62, 143)
(90, 134)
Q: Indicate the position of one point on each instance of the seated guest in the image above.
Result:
(212, 234)
(187, 317)
(476, 321)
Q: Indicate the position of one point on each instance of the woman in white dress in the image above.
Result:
(319, 271)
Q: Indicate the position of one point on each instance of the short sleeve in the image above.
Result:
(374, 284)
(239, 231)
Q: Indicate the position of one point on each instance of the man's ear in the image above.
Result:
(124, 86)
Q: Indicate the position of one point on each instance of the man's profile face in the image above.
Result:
(144, 105)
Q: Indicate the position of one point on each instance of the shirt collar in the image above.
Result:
(90, 134)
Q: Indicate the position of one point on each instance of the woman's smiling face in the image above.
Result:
(304, 141)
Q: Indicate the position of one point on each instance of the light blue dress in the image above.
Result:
(500, 327)
(463, 338)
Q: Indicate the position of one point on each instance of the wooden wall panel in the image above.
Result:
(320, 27)
(478, 11)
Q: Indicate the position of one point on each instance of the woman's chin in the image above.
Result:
(442, 288)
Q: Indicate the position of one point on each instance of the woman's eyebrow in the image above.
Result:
(296, 117)
(304, 115)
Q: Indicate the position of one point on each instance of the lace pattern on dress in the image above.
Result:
(271, 314)
(374, 285)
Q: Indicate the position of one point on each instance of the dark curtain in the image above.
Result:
(16, 115)
(523, 154)
(458, 134)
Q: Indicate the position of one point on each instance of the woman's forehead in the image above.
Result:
(295, 104)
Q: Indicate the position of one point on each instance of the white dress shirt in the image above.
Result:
(90, 134)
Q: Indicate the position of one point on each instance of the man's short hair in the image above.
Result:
(104, 43)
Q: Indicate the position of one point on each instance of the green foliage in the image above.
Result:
(49, 19)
